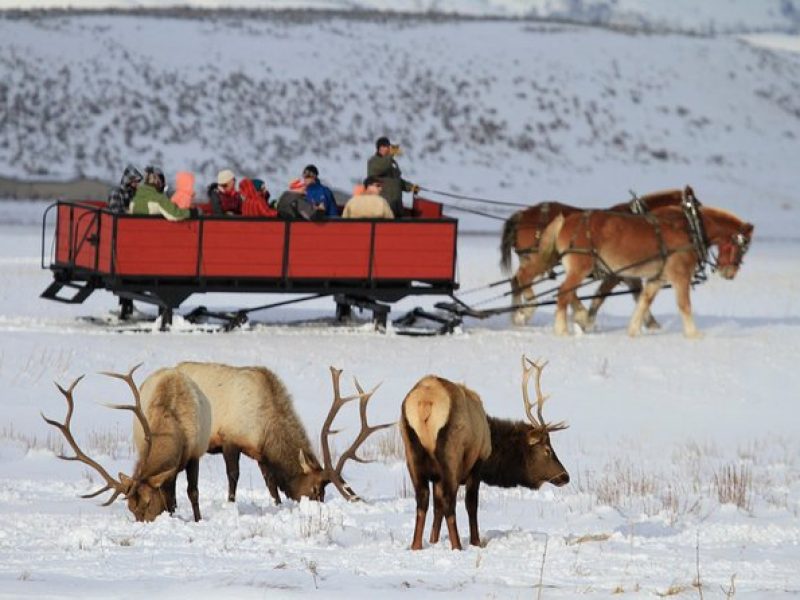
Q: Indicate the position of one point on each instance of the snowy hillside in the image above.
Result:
(513, 110)
(684, 15)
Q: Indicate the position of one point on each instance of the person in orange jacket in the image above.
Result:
(184, 189)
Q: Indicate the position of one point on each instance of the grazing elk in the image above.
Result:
(171, 427)
(450, 441)
(253, 414)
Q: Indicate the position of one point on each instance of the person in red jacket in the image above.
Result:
(225, 200)
(254, 200)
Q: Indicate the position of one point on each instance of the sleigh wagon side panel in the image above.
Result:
(415, 251)
(329, 250)
(154, 246)
(238, 248)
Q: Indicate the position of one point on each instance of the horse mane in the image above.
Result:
(660, 193)
(721, 213)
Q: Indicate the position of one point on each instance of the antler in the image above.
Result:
(529, 367)
(136, 408)
(366, 431)
(80, 455)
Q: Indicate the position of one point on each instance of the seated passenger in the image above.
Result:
(156, 175)
(149, 201)
(370, 204)
(119, 198)
(184, 189)
(254, 199)
(261, 188)
(294, 205)
(319, 195)
(224, 198)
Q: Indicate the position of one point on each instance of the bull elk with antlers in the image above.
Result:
(171, 428)
(253, 414)
(450, 441)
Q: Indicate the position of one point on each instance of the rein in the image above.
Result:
(473, 198)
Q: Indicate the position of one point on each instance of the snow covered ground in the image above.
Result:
(683, 454)
(660, 428)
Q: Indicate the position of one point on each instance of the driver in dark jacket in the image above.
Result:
(384, 166)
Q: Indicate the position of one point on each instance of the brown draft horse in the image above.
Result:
(523, 231)
(656, 247)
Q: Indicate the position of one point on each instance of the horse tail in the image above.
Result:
(508, 240)
(548, 253)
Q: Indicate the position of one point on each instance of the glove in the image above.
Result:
(414, 189)
(395, 150)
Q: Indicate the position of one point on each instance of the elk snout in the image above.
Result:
(560, 479)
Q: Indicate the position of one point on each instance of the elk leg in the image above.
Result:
(471, 501)
(444, 494)
(436, 528)
(643, 305)
(423, 493)
(192, 472)
(169, 493)
(272, 485)
(231, 455)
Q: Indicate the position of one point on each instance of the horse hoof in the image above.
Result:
(519, 320)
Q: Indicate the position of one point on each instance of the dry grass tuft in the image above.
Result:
(385, 446)
(672, 590)
(734, 485)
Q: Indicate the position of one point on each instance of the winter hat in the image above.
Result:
(382, 141)
(298, 186)
(311, 170)
(259, 184)
(184, 189)
(225, 176)
(129, 175)
(155, 176)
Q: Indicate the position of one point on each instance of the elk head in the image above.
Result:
(331, 473)
(541, 463)
(311, 483)
(146, 499)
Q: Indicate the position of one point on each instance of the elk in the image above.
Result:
(450, 441)
(253, 414)
(171, 428)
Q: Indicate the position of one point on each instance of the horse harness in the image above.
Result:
(603, 270)
(697, 233)
(541, 225)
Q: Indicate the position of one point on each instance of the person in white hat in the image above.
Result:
(225, 200)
